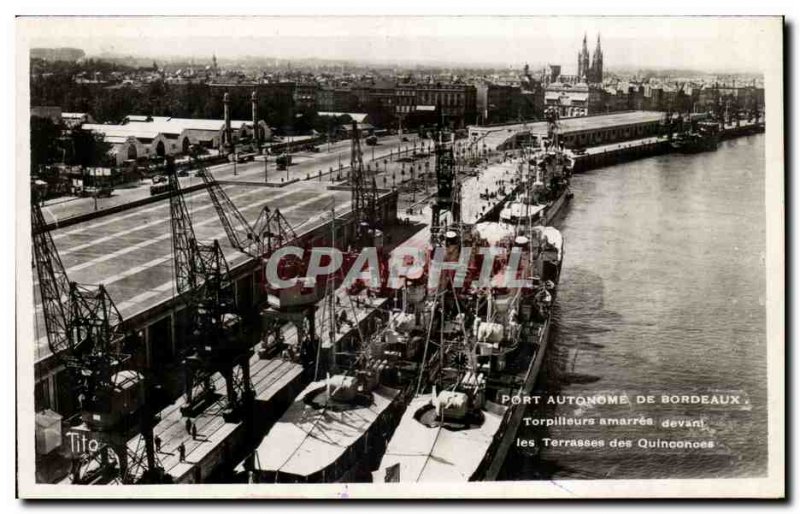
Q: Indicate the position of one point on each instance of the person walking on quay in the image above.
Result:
(194, 431)
(188, 425)
(182, 453)
(157, 440)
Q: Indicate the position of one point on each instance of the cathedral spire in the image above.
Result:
(596, 70)
(583, 61)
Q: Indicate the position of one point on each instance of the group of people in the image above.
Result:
(191, 429)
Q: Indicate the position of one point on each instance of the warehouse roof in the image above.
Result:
(177, 125)
(496, 135)
(609, 120)
(138, 132)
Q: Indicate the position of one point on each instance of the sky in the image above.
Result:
(734, 44)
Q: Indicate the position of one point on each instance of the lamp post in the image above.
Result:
(266, 176)
(413, 187)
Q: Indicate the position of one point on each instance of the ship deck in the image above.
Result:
(427, 454)
(307, 440)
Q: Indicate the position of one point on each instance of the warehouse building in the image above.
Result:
(159, 136)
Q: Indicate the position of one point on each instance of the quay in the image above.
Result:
(615, 153)
(131, 254)
(600, 140)
(219, 444)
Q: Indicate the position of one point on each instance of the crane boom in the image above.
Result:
(184, 242)
(54, 286)
(239, 232)
(273, 231)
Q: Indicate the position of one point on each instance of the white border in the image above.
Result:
(771, 487)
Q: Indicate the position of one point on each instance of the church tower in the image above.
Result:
(583, 62)
(597, 64)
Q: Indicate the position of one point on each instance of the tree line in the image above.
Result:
(110, 99)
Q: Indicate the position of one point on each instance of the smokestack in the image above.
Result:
(256, 131)
(228, 141)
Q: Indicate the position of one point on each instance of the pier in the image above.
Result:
(599, 140)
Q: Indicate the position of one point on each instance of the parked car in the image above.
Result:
(158, 188)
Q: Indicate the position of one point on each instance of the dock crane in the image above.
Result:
(364, 195)
(85, 333)
(260, 240)
(447, 194)
(212, 337)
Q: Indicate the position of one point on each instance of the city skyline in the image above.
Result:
(729, 47)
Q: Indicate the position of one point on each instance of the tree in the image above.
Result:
(90, 149)
(44, 143)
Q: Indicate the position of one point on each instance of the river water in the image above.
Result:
(662, 292)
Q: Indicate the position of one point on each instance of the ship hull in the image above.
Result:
(552, 210)
(513, 417)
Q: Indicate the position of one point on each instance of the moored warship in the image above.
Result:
(488, 341)
(544, 177)
(490, 344)
(339, 426)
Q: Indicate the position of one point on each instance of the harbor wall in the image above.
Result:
(632, 150)
(627, 152)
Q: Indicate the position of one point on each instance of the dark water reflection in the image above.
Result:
(662, 290)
